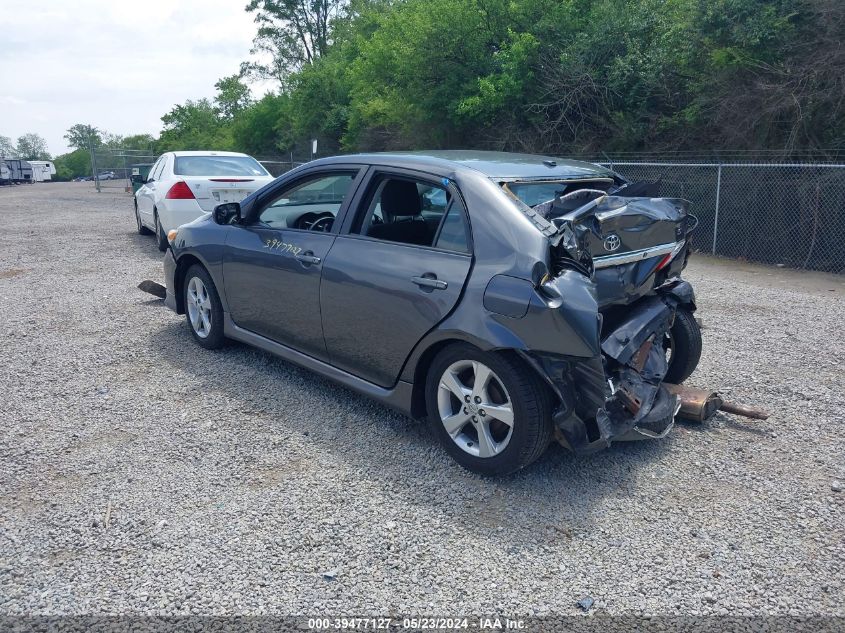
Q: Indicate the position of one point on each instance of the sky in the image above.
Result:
(116, 65)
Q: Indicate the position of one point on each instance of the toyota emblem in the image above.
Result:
(612, 242)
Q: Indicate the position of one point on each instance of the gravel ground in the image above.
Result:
(140, 473)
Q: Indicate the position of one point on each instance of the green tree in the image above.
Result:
(554, 76)
(139, 142)
(80, 135)
(7, 147)
(233, 96)
(32, 147)
(264, 127)
(195, 125)
(293, 32)
(73, 164)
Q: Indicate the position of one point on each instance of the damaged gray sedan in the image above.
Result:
(507, 299)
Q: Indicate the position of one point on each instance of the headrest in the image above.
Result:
(400, 198)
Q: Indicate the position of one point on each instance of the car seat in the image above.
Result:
(401, 210)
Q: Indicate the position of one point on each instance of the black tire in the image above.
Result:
(142, 230)
(214, 338)
(684, 344)
(161, 238)
(530, 400)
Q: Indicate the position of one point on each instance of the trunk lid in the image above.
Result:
(214, 190)
(635, 229)
(634, 244)
(628, 241)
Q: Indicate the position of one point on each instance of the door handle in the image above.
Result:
(308, 257)
(430, 282)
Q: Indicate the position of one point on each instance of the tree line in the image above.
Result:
(564, 77)
(29, 146)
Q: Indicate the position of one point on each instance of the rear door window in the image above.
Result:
(411, 211)
(454, 235)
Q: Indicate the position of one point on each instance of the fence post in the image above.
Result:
(93, 162)
(716, 217)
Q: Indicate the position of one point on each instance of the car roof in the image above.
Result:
(207, 153)
(505, 165)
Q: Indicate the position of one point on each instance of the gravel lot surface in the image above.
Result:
(140, 473)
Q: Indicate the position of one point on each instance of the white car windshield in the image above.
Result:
(218, 166)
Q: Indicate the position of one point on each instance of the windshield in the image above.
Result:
(218, 166)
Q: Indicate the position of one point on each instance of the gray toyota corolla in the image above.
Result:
(505, 298)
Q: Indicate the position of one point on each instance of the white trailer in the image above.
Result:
(42, 170)
(20, 170)
(5, 173)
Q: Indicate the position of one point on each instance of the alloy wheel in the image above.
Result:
(475, 408)
(199, 307)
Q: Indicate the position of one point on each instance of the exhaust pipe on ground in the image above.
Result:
(700, 405)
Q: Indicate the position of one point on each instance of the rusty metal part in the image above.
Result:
(153, 288)
(696, 404)
(639, 359)
(629, 400)
(741, 409)
(700, 405)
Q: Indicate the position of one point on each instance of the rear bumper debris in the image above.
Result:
(153, 288)
(619, 394)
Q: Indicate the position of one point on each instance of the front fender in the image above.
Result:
(209, 257)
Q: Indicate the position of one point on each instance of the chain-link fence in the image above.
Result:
(278, 166)
(113, 167)
(792, 214)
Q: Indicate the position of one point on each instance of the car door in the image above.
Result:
(272, 266)
(146, 193)
(397, 271)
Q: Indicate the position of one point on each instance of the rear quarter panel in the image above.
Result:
(505, 242)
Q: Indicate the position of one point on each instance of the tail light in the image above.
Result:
(666, 259)
(180, 191)
(670, 256)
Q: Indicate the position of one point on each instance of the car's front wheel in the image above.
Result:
(203, 309)
(490, 411)
(161, 236)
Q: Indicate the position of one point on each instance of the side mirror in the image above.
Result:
(227, 213)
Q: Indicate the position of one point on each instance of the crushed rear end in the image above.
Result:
(614, 278)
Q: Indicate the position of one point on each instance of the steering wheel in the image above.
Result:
(312, 221)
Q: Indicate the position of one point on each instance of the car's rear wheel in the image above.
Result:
(161, 236)
(203, 309)
(490, 411)
(142, 230)
(683, 345)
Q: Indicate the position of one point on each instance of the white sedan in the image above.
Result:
(183, 186)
